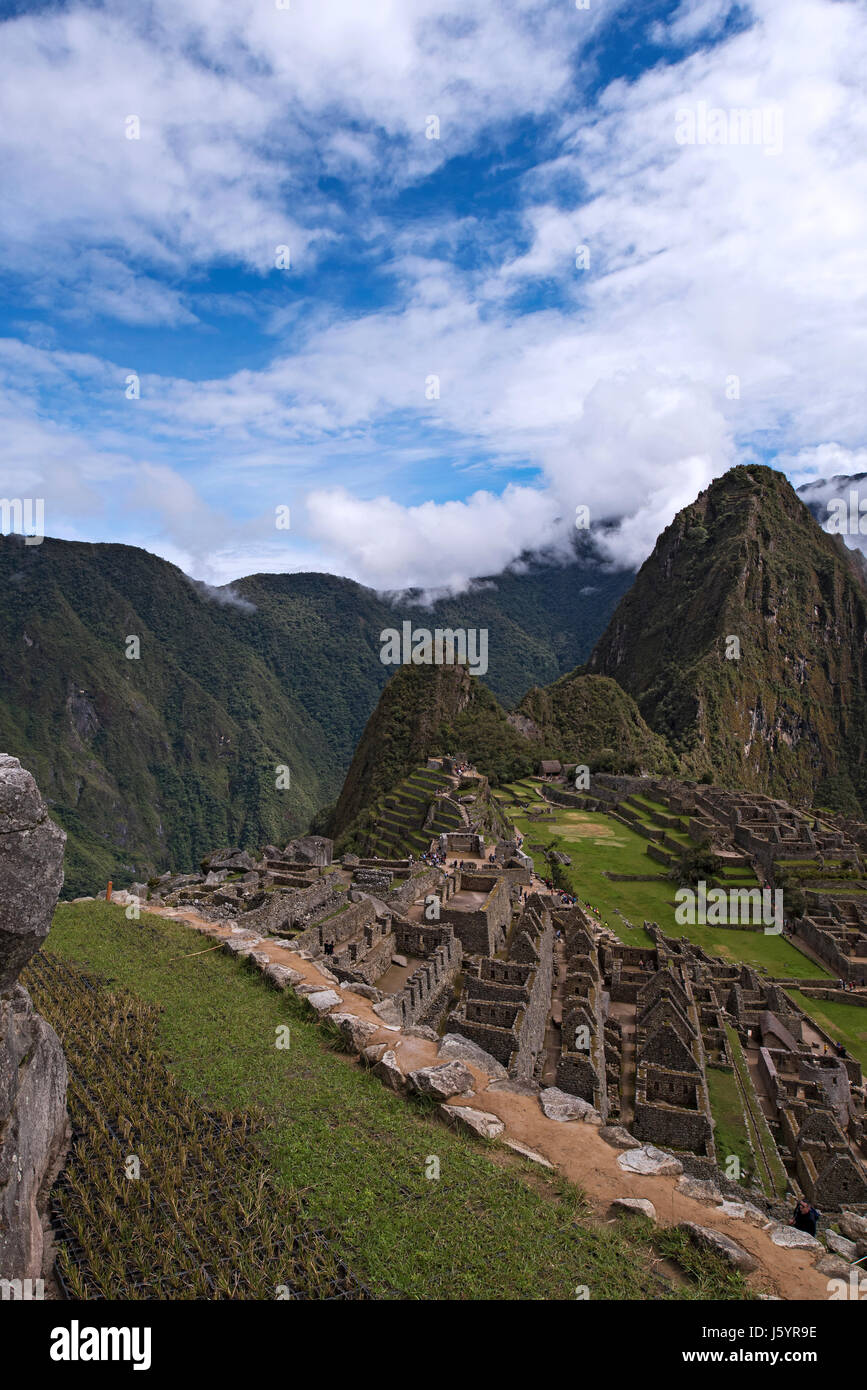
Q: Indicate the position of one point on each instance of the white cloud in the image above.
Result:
(720, 315)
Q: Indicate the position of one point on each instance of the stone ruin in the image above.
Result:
(505, 1004)
(34, 1130)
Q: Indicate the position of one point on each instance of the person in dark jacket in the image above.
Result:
(805, 1218)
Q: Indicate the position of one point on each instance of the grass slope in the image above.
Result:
(489, 1227)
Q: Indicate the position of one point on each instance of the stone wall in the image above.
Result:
(33, 1123)
(429, 987)
(482, 930)
(337, 929)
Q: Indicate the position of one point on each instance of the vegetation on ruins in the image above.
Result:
(695, 863)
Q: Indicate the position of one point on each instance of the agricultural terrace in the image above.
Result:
(331, 1191)
(597, 844)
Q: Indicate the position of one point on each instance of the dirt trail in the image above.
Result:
(575, 1149)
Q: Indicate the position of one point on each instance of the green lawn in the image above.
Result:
(845, 1023)
(596, 842)
(490, 1227)
(730, 1132)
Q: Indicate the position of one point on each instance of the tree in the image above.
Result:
(696, 863)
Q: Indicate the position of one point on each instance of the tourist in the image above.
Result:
(805, 1217)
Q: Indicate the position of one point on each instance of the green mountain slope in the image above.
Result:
(591, 720)
(150, 763)
(425, 711)
(747, 561)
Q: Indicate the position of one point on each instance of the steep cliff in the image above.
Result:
(33, 1124)
(744, 643)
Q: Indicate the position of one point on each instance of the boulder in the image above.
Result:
(707, 1238)
(650, 1162)
(841, 1246)
(743, 1211)
(790, 1238)
(373, 1054)
(31, 869)
(366, 991)
(515, 1087)
(138, 890)
(619, 1138)
(214, 878)
(390, 1015)
(698, 1189)
(833, 1266)
(559, 1105)
(389, 1072)
(441, 1081)
(326, 974)
(461, 1049)
(421, 1030)
(323, 999)
(356, 1032)
(480, 1122)
(310, 849)
(853, 1225)
(33, 1124)
(280, 976)
(399, 960)
(629, 1206)
(232, 860)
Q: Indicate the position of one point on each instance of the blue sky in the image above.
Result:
(437, 379)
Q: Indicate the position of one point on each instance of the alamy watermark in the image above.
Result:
(737, 907)
(712, 125)
(442, 647)
(847, 516)
(17, 514)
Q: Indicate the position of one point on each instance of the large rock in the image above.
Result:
(708, 1238)
(650, 1162)
(33, 1123)
(389, 1072)
(743, 1211)
(841, 1246)
(323, 999)
(390, 1015)
(31, 869)
(630, 1206)
(310, 849)
(619, 1138)
(834, 1266)
(356, 1031)
(460, 1049)
(699, 1189)
(853, 1225)
(480, 1122)
(790, 1238)
(232, 860)
(559, 1105)
(442, 1081)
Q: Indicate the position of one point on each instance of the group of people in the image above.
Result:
(433, 856)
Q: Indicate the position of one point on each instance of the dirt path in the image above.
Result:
(575, 1149)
